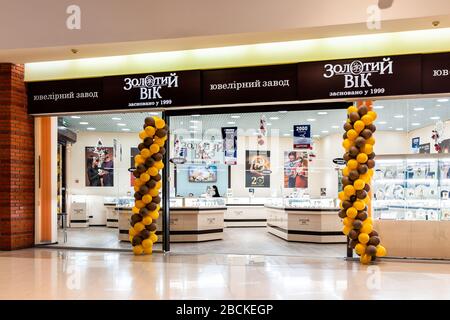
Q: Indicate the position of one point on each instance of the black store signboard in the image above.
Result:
(435, 73)
(63, 96)
(367, 77)
(251, 84)
(155, 90)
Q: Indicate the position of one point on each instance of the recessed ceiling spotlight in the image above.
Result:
(282, 111)
(90, 129)
(325, 131)
(274, 118)
(154, 113)
(415, 124)
(195, 115)
(193, 127)
(125, 129)
(390, 127)
(194, 121)
(84, 122)
(235, 117)
(435, 118)
(287, 134)
(322, 113)
(311, 120)
(116, 118)
(316, 136)
(121, 124)
(442, 100)
(399, 129)
(398, 116)
(419, 109)
(268, 123)
(378, 107)
(382, 122)
(335, 127)
(75, 117)
(231, 122)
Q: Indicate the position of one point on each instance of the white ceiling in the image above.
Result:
(389, 119)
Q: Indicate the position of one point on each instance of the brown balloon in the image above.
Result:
(156, 199)
(353, 175)
(141, 168)
(354, 116)
(361, 194)
(136, 241)
(371, 127)
(151, 184)
(151, 227)
(135, 218)
(346, 157)
(143, 211)
(375, 240)
(366, 133)
(148, 142)
(353, 243)
(141, 146)
(161, 133)
(352, 198)
(362, 215)
(151, 206)
(373, 234)
(357, 224)
(367, 187)
(143, 189)
(354, 151)
(344, 136)
(363, 110)
(353, 234)
(144, 234)
(149, 121)
(347, 126)
(370, 163)
(149, 162)
(371, 156)
(342, 214)
(162, 150)
(362, 168)
(346, 204)
(137, 195)
(157, 156)
(359, 142)
(157, 177)
(136, 173)
(346, 181)
(371, 250)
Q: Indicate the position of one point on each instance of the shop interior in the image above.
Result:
(255, 192)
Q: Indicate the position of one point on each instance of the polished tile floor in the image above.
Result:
(70, 274)
(235, 241)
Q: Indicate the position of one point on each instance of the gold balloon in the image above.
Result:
(363, 238)
(138, 250)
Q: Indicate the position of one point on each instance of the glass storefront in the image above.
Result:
(242, 183)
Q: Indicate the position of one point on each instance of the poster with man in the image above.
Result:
(296, 169)
(257, 169)
(99, 162)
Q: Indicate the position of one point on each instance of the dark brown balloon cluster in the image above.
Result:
(147, 185)
(357, 175)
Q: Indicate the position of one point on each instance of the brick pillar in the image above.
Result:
(16, 161)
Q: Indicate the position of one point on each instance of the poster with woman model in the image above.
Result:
(296, 169)
(99, 166)
(257, 169)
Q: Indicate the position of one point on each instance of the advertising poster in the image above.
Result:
(229, 136)
(415, 143)
(99, 166)
(296, 169)
(424, 148)
(257, 169)
(302, 136)
(445, 146)
(133, 152)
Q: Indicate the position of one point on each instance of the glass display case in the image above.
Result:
(412, 187)
(310, 203)
(246, 201)
(197, 202)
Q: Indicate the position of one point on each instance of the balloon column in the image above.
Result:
(147, 185)
(357, 175)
